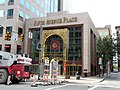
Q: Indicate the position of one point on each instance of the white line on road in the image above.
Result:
(94, 87)
(57, 87)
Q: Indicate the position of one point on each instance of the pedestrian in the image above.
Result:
(77, 75)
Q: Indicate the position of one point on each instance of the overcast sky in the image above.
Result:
(102, 12)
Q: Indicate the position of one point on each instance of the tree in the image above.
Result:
(106, 50)
(118, 44)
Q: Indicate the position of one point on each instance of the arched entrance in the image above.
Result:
(55, 44)
(54, 49)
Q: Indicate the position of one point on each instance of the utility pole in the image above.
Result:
(40, 52)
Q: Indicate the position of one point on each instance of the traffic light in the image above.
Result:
(21, 37)
(8, 36)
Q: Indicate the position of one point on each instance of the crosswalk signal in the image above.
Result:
(21, 37)
(8, 36)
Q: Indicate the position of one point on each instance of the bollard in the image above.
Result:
(55, 78)
(45, 77)
(34, 81)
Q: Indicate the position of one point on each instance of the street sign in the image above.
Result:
(46, 61)
(14, 36)
(100, 61)
(55, 65)
(30, 35)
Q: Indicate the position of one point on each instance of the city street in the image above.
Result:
(27, 86)
(110, 83)
(89, 83)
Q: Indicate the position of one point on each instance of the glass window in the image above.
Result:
(22, 2)
(27, 5)
(2, 1)
(42, 4)
(37, 12)
(56, 6)
(21, 13)
(10, 0)
(9, 29)
(20, 30)
(27, 16)
(1, 30)
(52, 6)
(41, 14)
(38, 1)
(10, 12)
(33, 9)
(1, 13)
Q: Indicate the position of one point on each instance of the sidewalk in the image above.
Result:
(86, 80)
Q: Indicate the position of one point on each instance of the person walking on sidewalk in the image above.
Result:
(77, 76)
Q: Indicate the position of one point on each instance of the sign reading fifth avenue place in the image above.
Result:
(55, 21)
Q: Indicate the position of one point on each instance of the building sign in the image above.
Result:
(47, 61)
(100, 61)
(55, 21)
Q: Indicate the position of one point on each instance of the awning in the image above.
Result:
(7, 46)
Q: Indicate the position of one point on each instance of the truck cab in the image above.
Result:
(16, 66)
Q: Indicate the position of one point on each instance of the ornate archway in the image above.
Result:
(55, 44)
(54, 47)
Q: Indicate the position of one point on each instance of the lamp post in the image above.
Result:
(40, 52)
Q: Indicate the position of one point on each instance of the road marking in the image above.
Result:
(94, 87)
(57, 87)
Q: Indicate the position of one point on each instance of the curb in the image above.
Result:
(105, 78)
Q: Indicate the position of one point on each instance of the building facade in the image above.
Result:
(13, 14)
(56, 5)
(70, 38)
(104, 31)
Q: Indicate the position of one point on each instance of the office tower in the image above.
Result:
(13, 14)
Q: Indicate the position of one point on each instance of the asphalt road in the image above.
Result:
(111, 83)
(27, 86)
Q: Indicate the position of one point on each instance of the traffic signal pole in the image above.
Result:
(40, 53)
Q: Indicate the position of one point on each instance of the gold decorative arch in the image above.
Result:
(63, 33)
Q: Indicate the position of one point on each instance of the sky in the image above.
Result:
(102, 12)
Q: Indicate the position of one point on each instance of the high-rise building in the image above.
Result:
(13, 13)
(64, 5)
(104, 31)
(56, 5)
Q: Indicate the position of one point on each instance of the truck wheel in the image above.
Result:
(3, 76)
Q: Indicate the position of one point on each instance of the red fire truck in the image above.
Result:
(15, 66)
